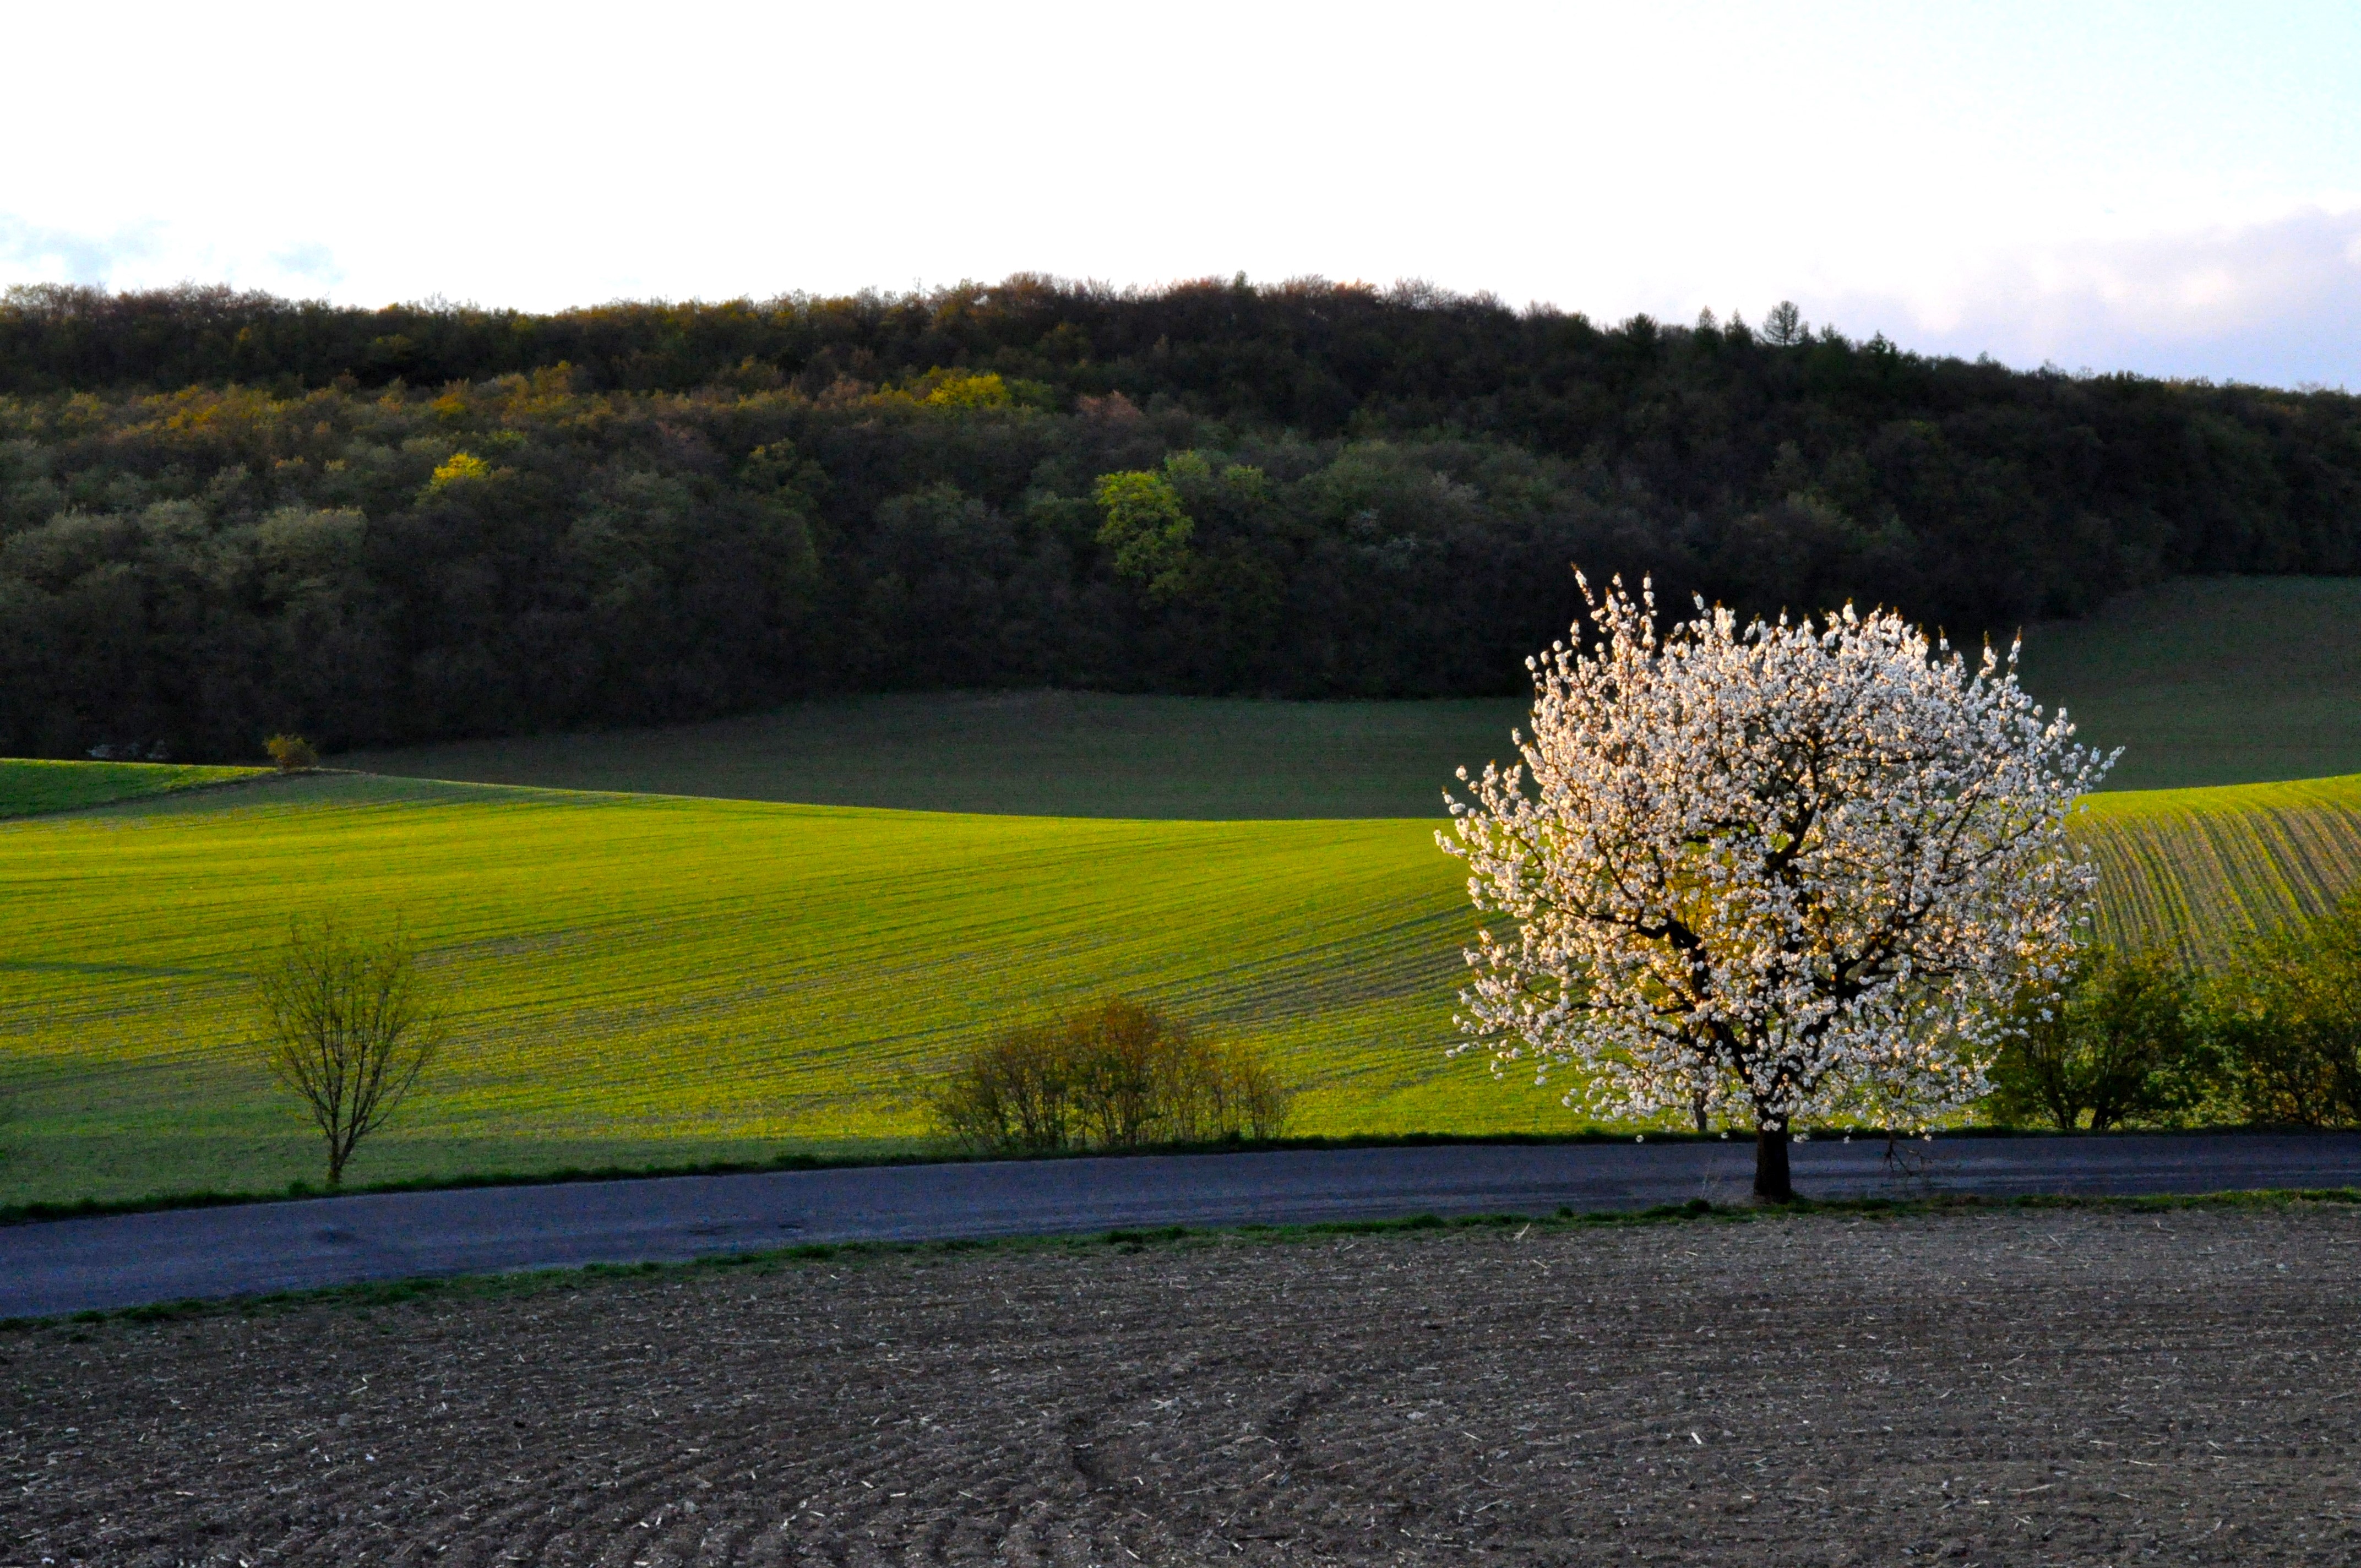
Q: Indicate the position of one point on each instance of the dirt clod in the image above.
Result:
(2024, 1387)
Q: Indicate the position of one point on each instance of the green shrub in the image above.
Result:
(2119, 1048)
(2286, 1019)
(292, 753)
(1113, 1075)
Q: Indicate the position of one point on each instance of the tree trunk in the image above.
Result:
(1771, 1183)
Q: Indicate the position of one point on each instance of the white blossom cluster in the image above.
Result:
(1784, 871)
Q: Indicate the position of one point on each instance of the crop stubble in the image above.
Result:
(2024, 1386)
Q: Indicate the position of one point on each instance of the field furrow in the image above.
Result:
(2194, 869)
(661, 979)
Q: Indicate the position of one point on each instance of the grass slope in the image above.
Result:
(1041, 753)
(29, 787)
(647, 979)
(2191, 869)
(2205, 681)
(661, 979)
(2213, 680)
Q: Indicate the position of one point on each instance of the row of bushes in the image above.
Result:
(2274, 1037)
(2138, 1040)
(1115, 1075)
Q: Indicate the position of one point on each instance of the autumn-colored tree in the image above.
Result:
(291, 753)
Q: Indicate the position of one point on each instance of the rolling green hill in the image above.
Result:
(647, 979)
(1029, 753)
(29, 787)
(2193, 868)
(2206, 680)
(644, 977)
(2213, 680)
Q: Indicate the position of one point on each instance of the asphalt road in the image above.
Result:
(68, 1266)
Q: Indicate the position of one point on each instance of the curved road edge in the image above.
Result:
(59, 1267)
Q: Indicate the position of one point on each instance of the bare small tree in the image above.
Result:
(348, 1026)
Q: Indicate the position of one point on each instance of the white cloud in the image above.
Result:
(156, 255)
(2169, 189)
(31, 253)
(310, 261)
(2278, 301)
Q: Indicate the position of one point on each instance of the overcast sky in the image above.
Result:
(2170, 189)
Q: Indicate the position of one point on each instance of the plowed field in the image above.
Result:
(2081, 1387)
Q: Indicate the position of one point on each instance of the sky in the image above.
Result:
(2169, 189)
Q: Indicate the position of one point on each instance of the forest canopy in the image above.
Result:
(227, 515)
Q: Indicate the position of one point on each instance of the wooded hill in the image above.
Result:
(225, 514)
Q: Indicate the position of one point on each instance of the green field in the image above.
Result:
(2213, 680)
(29, 787)
(1039, 753)
(648, 978)
(656, 978)
(2206, 680)
(2193, 867)
(661, 979)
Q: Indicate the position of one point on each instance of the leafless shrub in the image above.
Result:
(1010, 1093)
(1129, 1072)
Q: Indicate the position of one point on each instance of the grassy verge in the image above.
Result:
(427, 1289)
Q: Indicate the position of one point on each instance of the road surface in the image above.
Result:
(67, 1266)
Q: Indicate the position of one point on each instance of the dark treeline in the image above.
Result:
(223, 515)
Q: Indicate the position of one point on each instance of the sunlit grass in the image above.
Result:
(648, 980)
(644, 977)
(2193, 868)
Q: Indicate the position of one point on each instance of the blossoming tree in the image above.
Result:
(1777, 871)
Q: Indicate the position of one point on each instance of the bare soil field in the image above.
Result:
(2019, 1386)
